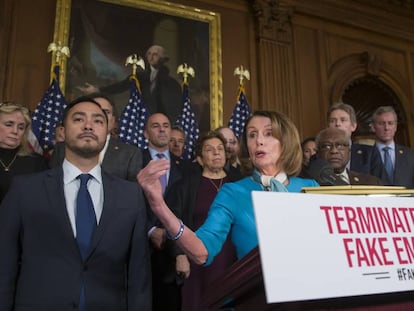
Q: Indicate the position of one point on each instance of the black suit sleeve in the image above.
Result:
(10, 224)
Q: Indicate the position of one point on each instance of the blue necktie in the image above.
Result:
(163, 178)
(388, 164)
(85, 225)
(85, 216)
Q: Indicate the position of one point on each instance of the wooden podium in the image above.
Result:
(242, 289)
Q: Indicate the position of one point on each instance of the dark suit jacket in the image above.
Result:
(41, 268)
(356, 178)
(163, 261)
(120, 159)
(403, 168)
(363, 159)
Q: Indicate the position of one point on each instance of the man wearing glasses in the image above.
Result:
(334, 146)
(343, 116)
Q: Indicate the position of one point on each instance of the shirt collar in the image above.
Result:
(154, 152)
(71, 172)
(381, 145)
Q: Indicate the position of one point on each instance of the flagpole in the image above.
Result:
(242, 109)
(187, 120)
(134, 116)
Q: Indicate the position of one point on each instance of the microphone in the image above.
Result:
(320, 170)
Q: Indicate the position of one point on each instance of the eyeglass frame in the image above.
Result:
(338, 146)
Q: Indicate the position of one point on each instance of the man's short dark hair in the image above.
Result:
(78, 100)
(108, 98)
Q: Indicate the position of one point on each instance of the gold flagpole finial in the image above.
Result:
(58, 50)
(135, 61)
(242, 73)
(186, 71)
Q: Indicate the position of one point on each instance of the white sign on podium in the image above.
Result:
(316, 246)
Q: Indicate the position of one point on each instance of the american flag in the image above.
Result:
(189, 124)
(240, 113)
(48, 113)
(133, 118)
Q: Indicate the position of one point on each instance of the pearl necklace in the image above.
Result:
(7, 167)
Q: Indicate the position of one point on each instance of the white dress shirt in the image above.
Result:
(71, 186)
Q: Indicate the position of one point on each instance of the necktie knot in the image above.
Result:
(160, 156)
(84, 178)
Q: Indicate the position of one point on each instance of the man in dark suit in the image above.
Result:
(334, 147)
(169, 264)
(117, 158)
(56, 257)
(401, 158)
(343, 116)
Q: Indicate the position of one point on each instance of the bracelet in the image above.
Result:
(179, 234)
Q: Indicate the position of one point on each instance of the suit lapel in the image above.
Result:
(56, 196)
(146, 157)
(108, 153)
(175, 173)
(400, 161)
(108, 211)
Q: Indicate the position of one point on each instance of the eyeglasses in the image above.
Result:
(329, 146)
(176, 141)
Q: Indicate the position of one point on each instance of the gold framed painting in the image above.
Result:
(101, 34)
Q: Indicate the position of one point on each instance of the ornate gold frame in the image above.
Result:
(62, 27)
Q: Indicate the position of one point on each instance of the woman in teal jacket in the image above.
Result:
(271, 156)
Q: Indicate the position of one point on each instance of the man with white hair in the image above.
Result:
(161, 92)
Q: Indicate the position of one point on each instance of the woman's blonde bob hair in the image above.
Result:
(10, 107)
(285, 131)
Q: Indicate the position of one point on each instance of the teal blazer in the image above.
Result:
(232, 212)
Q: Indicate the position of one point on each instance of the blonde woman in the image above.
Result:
(16, 157)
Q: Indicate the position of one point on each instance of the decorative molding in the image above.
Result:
(388, 20)
(273, 20)
(372, 63)
(394, 4)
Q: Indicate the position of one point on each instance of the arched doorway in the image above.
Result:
(368, 93)
(363, 81)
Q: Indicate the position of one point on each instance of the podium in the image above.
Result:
(242, 289)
